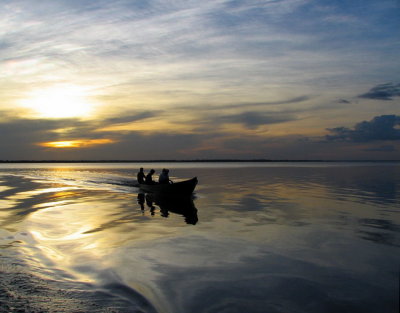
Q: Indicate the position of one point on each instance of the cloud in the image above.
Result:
(252, 120)
(191, 69)
(130, 118)
(382, 92)
(261, 104)
(384, 127)
(384, 148)
(29, 126)
(26, 132)
(42, 139)
(204, 107)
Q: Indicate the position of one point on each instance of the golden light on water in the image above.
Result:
(76, 143)
(62, 101)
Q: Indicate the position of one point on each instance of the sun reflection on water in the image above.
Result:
(274, 229)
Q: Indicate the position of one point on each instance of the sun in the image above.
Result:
(61, 101)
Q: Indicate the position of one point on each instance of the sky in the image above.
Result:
(220, 79)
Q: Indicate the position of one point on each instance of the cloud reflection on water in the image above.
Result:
(285, 239)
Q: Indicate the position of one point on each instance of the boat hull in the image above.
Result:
(180, 188)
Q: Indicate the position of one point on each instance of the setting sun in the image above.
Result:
(62, 101)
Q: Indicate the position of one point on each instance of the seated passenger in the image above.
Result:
(149, 178)
(164, 177)
(140, 176)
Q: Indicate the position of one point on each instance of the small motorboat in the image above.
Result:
(185, 187)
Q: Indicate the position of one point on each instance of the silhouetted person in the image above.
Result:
(149, 178)
(141, 176)
(149, 202)
(164, 177)
(140, 200)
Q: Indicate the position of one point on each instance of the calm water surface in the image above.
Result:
(273, 237)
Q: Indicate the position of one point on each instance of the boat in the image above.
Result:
(185, 187)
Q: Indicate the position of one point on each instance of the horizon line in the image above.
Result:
(192, 161)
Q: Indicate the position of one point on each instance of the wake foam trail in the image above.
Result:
(24, 291)
(116, 182)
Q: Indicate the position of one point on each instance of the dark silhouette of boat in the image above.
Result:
(181, 205)
(185, 187)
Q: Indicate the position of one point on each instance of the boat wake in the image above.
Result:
(115, 182)
(22, 290)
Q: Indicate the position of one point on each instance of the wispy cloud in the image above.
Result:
(384, 148)
(252, 120)
(199, 73)
(129, 118)
(383, 92)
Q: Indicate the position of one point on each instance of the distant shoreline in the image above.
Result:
(188, 161)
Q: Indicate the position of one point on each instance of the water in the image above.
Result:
(257, 237)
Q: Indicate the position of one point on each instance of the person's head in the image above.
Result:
(141, 169)
(152, 171)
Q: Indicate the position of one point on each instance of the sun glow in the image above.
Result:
(62, 101)
(76, 143)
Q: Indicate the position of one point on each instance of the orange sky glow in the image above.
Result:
(207, 80)
(76, 143)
